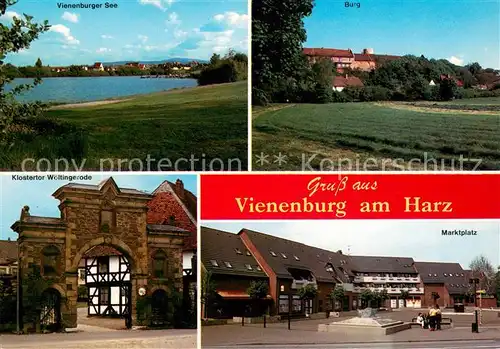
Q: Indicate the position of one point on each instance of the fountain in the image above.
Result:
(367, 321)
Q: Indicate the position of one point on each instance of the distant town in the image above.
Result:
(145, 70)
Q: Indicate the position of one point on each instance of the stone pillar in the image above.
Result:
(69, 304)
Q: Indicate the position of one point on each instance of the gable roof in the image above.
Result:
(440, 273)
(381, 264)
(291, 254)
(342, 81)
(327, 52)
(173, 205)
(222, 247)
(8, 251)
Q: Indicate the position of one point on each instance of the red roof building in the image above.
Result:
(176, 206)
(341, 82)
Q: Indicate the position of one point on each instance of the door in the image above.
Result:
(50, 313)
(308, 306)
(159, 308)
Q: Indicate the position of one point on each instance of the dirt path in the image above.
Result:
(88, 104)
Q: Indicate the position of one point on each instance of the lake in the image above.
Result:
(84, 89)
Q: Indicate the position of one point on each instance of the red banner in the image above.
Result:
(349, 196)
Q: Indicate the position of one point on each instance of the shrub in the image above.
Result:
(340, 97)
(375, 93)
(83, 293)
(353, 93)
(431, 93)
(447, 89)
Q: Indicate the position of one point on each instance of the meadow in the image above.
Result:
(378, 136)
(203, 123)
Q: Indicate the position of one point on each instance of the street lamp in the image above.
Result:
(475, 326)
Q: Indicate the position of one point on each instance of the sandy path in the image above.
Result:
(87, 104)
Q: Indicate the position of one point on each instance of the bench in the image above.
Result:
(444, 321)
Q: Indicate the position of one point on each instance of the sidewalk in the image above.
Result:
(257, 335)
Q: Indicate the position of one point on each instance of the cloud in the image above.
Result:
(161, 4)
(456, 60)
(233, 19)
(103, 50)
(143, 38)
(200, 39)
(104, 36)
(70, 17)
(173, 19)
(8, 16)
(66, 33)
(225, 21)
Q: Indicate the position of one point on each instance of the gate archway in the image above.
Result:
(50, 311)
(159, 308)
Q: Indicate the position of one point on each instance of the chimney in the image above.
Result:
(339, 252)
(179, 189)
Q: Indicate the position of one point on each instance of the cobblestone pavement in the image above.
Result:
(102, 322)
(306, 332)
(185, 339)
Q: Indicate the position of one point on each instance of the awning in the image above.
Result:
(236, 295)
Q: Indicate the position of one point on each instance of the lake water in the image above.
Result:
(84, 89)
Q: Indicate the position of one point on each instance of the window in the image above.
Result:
(248, 253)
(462, 274)
(284, 256)
(457, 274)
(272, 253)
(430, 274)
(104, 296)
(160, 264)
(296, 304)
(329, 268)
(82, 274)
(214, 263)
(238, 251)
(296, 258)
(228, 265)
(258, 268)
(248, 266)
(435, 274)
(102, 264)
(50, 260)
(445, 274)
(3, 270)
(283, 304)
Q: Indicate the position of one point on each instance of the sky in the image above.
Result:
(138, 30)
(419, 239)
(461, 31)
(38, 194)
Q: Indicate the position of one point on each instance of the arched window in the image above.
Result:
(50, 260)
(160, 264)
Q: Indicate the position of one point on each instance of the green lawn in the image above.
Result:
(335, 136)
(207, 123)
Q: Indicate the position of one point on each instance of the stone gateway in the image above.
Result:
(90, 216)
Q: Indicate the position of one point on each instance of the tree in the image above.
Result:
(474, 68)
(38, 63)
(208, 291)
(215, 59)
(366, 297)
(447, 89)
(404, 296)
(337, 295)
(258, 290)
(309, 291)
(14, 38)
(383, 296)
(482, 268)
(277, 36)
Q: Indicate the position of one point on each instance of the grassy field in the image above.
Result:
(378, 136)
(207, 122)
